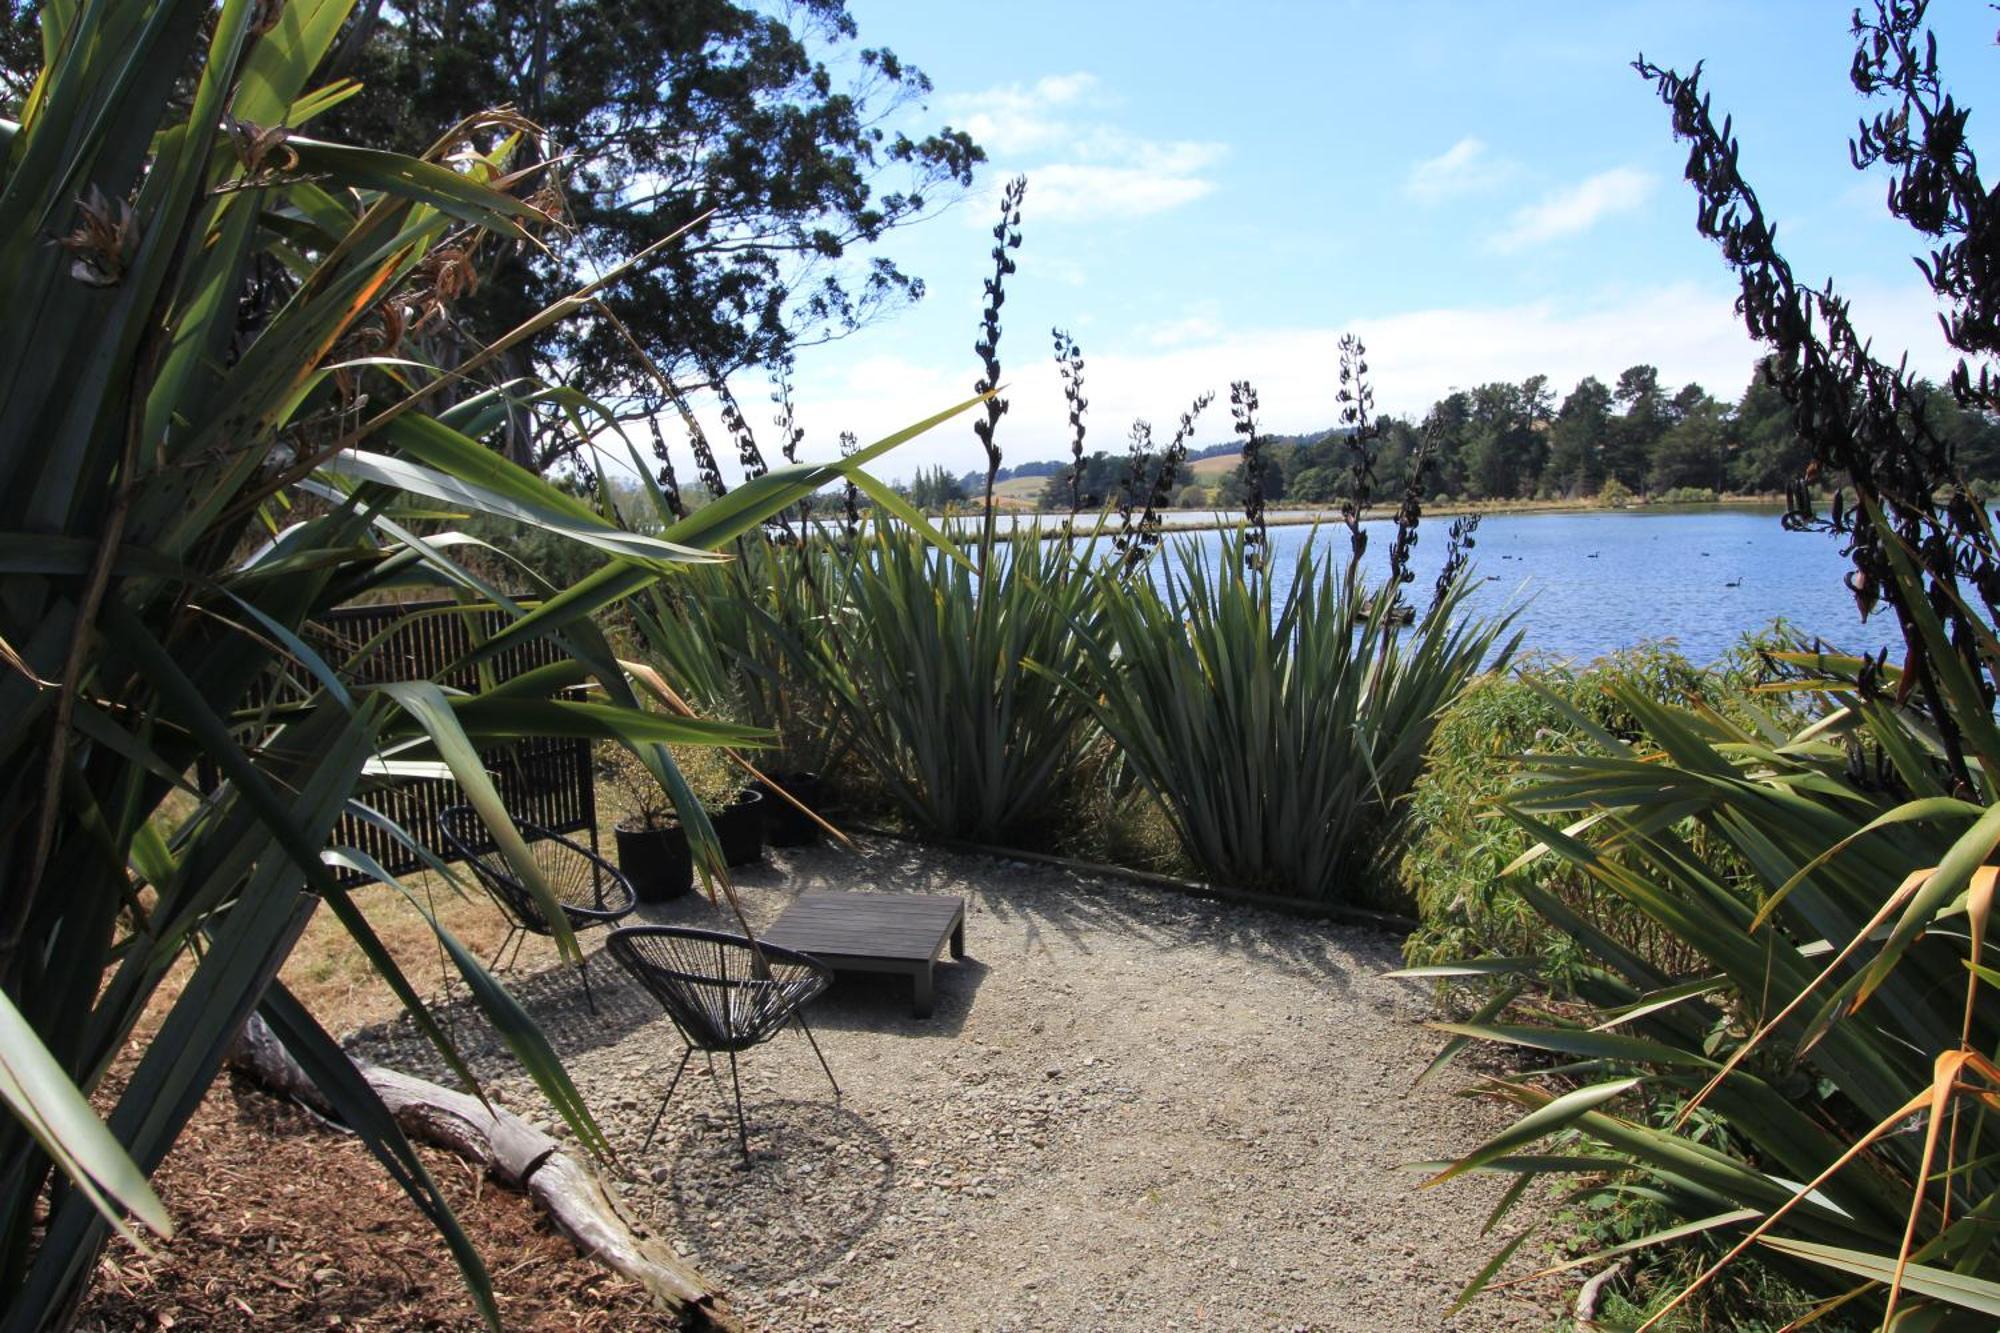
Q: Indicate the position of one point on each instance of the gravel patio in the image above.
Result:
(1132, 1109)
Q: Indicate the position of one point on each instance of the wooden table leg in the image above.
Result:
(958, 939)
(920, 985)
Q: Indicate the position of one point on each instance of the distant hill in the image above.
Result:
(1027, 489)
(1211, 463)
(976, 481)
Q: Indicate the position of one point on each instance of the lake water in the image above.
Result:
(1594, 583)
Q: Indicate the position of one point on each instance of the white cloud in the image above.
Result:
(1017, 118)
(1576, 208)
(1081, 167)
(1175, 333)
(1464, 168)
(1158, 177)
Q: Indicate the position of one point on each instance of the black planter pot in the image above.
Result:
(740, 829)
(657, 862)
(785, 825)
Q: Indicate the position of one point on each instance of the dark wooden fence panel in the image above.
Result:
(545, 782)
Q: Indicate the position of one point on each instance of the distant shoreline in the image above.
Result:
(1051, 522)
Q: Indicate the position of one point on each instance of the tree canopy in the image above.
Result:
(1507, 441)
(763, 130)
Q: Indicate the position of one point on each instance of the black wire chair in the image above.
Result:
(724, 993)
(588, 888)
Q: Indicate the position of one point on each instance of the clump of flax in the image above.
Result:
(1168, 468)
(1243, 408)
(1357, 418)
(1069, 362)
(1006, 238)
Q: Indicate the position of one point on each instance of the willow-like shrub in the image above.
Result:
(1280, 721)
(1453, 868)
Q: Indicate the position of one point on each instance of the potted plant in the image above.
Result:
(735, 809)
(649, 832)
(739, 827)
(652, 848)
(785, 825)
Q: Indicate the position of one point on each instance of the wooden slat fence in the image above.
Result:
(545, 782)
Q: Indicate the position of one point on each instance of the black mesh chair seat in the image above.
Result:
(723, 993)
(588, 888)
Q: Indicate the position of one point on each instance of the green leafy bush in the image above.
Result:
(1455, 868)
(1686, 495)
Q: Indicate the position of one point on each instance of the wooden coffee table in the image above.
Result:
(875, 932)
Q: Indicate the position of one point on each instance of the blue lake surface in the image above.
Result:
(1594, 583)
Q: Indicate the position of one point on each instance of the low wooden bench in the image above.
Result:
(875, 932)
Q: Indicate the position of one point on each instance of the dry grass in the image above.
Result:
(336, 982)
(1214, 469)
(1017, 491)
(331, 977)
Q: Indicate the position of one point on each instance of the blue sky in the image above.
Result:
(1481, 190)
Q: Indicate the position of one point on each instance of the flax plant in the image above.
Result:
(217, 422)
(952, 683)
(1280, 723)
(1819, 1088)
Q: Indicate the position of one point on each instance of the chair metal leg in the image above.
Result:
(800, 1019)
(493, 963)
(520, 938)
(672, 1083)
(742, 1131)
(583, 970)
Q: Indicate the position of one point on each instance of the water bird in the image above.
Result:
(1591, 556)
(1733, 583)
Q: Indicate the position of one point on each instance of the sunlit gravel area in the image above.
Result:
(1132, 1109)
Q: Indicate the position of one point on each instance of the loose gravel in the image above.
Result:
(1132, 1109)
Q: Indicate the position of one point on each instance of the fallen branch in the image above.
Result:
(518, 1156)
(1593, 1291)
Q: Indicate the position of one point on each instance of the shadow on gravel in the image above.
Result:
(1046, 916)
(880, 1001)
(818, 1181)
(1047, 912)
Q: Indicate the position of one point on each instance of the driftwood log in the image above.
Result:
(519, 1157)
(1592, 1292)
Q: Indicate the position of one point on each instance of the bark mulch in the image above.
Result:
(284, 1222)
